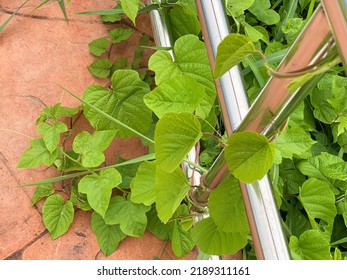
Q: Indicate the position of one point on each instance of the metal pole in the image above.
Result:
(163, 38)
(336, 13)
(266, 115)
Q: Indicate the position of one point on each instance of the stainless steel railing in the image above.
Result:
(270, 109)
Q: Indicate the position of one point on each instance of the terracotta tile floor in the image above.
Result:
(37, 51)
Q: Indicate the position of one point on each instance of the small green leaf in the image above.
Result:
(236, 8)
(130, 216)
(108, 236)
(36, 155)
(92, 146)
(42, 191)
(99, 46)
(120, 63)
(142, 186)
(98, 188)
(311, 245)
(211, 240)
(51, 134)
(261, 9)
(78, 199)
(319, 202)
(171, 189)
(120, 34)
(226, 207)
(101, 68)
(179, 94)
(130, 8)
(231, 51)
(181, 241)
(174, 136)
(249, 155)
(57, 215)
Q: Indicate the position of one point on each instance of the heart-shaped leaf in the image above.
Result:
(98, 188)
(57, 215)
(108, 236)
(249, 155)
(130, 216)
(92, 146)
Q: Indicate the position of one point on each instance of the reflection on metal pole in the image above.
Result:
(266, 115)
(336, 13)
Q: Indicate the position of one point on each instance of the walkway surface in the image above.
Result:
(39, 50)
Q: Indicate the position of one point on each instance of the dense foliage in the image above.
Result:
(171, 106)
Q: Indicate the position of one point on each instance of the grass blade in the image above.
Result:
(77, 174)
(62, 7)
(118, 11)
(2, 26)
(112, 119)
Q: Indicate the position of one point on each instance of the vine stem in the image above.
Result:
(197, 166)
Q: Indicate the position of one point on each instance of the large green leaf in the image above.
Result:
(179, 94)
(335, 171)
(231, 51)
(226, 207)
(175, 135)
(36, 155)
(311, 245)
(317, 167)
(183, 22)
(170, 189)
(108, 236)
(211, 240)
(98, 188)
(51, 134)
(130, 8)
(124, 103)
(142, 185)
(319, 202)
(190, 59)
(57, 215)
(92, 146)
(294, 142)
(296, 221)
(249, 155)
(130, 216)
(181, 241)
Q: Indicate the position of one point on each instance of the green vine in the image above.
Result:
(171, 106)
